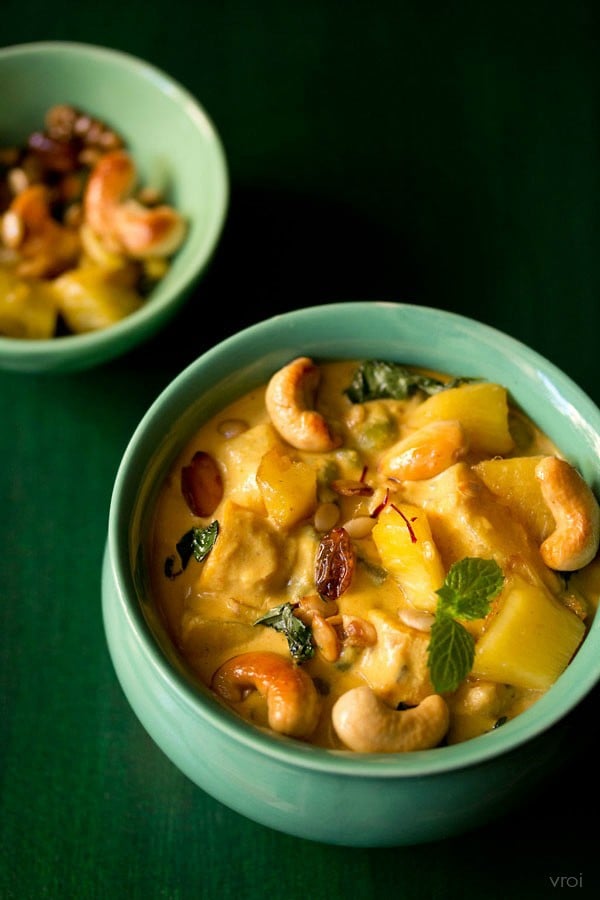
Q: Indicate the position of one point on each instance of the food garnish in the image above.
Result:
(467, 592)
(298, 635)
(197, 542)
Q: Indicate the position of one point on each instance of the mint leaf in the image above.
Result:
(298, 635)
(451, 653)
(469, 586)
(466, 593)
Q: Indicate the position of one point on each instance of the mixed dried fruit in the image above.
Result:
(81, 246)
(367, 556)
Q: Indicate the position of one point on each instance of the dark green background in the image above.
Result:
(441, 154)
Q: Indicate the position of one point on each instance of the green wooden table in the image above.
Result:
(447, 157)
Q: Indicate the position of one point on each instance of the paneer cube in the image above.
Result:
(250, 556)
(466, 520)
(395, 667)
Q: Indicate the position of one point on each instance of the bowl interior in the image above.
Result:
(172, 140)
(399, 332)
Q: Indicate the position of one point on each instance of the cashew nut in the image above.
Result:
(426, 452)
(326, 637)
(293, 703)
(124, 225)
(366, 724)
(419, 619)
(358, 632)
(290, 399)
(44, 247)
(310, 604)
(574, 542)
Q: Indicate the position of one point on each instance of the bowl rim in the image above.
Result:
(580, 677)
(72, 346)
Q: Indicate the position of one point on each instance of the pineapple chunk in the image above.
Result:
(27, 308)
(513, 481)
(530, 640)
(403, 539)
(91, 298)
(241, 456)
(467, 520)
(288, 487)
(480, 407)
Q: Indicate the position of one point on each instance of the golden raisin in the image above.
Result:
(335, 564)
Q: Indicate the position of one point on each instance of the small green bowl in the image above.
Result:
(330, 796)
(165, 129)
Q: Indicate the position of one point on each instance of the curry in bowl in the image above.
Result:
(371, 557)
(82, 242)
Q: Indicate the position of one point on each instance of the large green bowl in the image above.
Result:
(168, 134)
(335, 797)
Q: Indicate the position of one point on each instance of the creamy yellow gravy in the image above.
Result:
(211, 607)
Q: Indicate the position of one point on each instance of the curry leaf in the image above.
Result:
(377, 379)
(298, 635)
(197, 542)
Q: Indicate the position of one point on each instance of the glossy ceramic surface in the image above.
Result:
(171, 139)
(339, 798)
